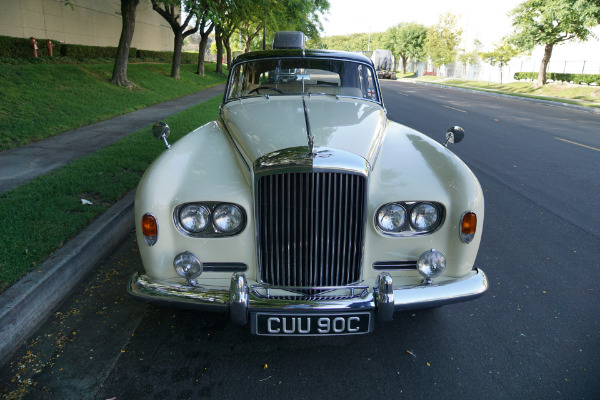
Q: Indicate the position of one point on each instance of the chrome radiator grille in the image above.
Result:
(310, 228)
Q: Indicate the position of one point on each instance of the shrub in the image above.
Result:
(166, 56)
(584, 79)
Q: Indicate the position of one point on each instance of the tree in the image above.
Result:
(501, 55)
(408, 41)
(552, 22)
(170, 11)
(277, 15)
(119, 75)
(442, 40)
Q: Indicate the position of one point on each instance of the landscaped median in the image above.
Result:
(581, 95)
(41, 215)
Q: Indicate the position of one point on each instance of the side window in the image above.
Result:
(368, 83)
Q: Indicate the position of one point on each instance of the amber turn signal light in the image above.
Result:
(468, 226)
(149, 229)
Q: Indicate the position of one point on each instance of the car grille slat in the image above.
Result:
(310, 228)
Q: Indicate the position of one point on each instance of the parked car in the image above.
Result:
(303, 210)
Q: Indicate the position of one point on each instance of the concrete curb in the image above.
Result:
(594, 110)
(25, 305)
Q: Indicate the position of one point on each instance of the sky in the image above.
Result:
(485, 20)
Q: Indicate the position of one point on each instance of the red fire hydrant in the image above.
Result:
(49, 46)
(33, 46)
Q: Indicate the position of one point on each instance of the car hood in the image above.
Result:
(261, 125)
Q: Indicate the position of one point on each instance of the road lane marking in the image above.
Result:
(578, 144)
(457, 109)
(403, 94)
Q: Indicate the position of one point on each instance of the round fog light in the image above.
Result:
(188, 266)
(431, 264)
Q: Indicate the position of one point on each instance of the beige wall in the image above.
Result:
(89, 22)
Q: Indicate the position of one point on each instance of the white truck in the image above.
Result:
(384, 64)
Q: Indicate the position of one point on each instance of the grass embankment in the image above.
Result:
(560, 92)
(42, 100)
(39, 216)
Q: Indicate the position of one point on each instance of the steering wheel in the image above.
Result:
(265, 87)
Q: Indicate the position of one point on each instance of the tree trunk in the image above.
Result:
(177, 43)
(201, 54)
(202, 47)
(119, 76)
(547, 54)
(404, 63)
(219, 40)
(227, 46)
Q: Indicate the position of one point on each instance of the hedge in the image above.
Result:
(20, 48)
(80, 51)
(166, 56)
(12, 47)
(583, 79)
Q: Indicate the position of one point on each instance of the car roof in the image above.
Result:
(294, 53)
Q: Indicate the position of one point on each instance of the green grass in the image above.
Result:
(39, 216)
(572, 94)
(42, 100)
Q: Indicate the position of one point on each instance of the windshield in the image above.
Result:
(289, 76)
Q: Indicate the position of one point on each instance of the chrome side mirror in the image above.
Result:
(454, 135)
(161, 130)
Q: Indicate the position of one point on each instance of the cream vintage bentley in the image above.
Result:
(304, 210)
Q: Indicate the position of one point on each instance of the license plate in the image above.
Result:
(274, 324)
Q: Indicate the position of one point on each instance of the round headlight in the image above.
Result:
(431, 264)
(424, 216)
(188, 266)
(228, 218)
(194, 218)
(391, 217)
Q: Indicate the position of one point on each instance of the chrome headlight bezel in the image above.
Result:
(410, 227)
(211, 230)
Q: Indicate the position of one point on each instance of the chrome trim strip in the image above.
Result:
(224, 267)
(395, 265)
(311, 138)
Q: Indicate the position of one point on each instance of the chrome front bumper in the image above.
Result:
(239, 300)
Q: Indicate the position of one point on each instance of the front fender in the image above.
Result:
(413, 167)
(202, 166)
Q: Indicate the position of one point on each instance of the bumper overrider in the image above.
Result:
(287, 311)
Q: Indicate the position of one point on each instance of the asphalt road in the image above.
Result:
(535, 334)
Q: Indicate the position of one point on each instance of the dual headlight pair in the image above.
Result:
(409, 218)
(210, 219)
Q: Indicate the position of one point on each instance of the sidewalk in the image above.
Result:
(22, 164)
(27, 303)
